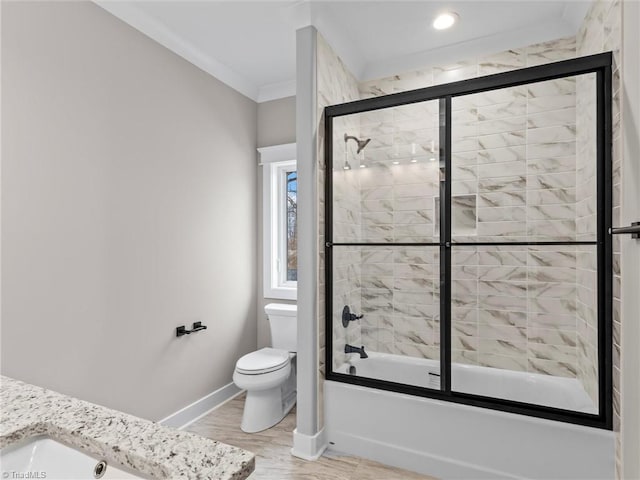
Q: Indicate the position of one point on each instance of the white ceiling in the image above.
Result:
(250, 45)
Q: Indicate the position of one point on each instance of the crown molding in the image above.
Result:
(304, 13)
(157, 31)
(274, 91)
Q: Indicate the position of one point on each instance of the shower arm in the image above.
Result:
(360, 143)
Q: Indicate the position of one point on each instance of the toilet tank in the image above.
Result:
(283, 322)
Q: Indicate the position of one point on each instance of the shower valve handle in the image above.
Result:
(347, 316)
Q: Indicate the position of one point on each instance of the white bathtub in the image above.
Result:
(449, 440)
(44, 458)
(558, 392)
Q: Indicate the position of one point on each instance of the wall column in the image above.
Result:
(308, 441)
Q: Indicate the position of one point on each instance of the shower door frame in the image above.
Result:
(601, 65)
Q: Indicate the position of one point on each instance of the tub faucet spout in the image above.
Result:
(350, 349)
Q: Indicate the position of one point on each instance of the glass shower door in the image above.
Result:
(468, 252)
(523, 287)
(385, 274)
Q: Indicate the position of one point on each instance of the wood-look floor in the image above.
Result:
(272, 448)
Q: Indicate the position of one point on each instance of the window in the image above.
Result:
(291, 226)
(280, 189)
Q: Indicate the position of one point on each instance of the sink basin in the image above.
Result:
(44, 457)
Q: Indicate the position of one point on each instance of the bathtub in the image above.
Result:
(558, 392)
(449, 440)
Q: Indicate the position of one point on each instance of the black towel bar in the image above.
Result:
(197, 326)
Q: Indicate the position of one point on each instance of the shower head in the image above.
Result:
(361, 143)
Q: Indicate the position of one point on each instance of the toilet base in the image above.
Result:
(264, 409)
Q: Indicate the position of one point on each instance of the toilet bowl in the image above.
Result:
(269, 374)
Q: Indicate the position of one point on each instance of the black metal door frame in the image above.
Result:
(601, 65)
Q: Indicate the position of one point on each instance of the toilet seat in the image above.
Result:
(262, 361)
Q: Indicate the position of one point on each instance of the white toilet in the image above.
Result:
(269, 374)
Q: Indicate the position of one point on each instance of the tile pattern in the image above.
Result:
(513, 307)
(515, 149)
(401, 178)
(400, 300)
(335, 84)
(601, 31)
(273, 450)
(514, 178)
(586, 264)
(141, 445)
(347, 217)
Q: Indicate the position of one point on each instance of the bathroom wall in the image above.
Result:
(626, 373)
(277, 122)
(347, 261)
(335, 84)
(514, 307)
(276, 126)
(601, 31)
(514, 179)
(129, 207)
(399, 182)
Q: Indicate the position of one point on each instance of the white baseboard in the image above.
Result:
(198, 409)
(309, 447)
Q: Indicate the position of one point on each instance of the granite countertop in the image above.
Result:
(141, 445)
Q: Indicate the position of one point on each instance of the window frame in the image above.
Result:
(277, 161)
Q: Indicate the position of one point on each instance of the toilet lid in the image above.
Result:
(262, 361)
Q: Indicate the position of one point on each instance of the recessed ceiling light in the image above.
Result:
(445, 20)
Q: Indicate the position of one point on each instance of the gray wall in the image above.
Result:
(277, 122)
(630, 248)
(276, 126)
(129, 194)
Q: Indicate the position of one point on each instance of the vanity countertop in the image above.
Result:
(147, 447)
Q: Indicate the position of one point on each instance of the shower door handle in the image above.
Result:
(633, 230)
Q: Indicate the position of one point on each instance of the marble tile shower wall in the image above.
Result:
(514, 179)
(347, 261)
(601, 31)
(398, 190)
(586, 261)
(335, 84)
(515, 307)
(400, 295)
